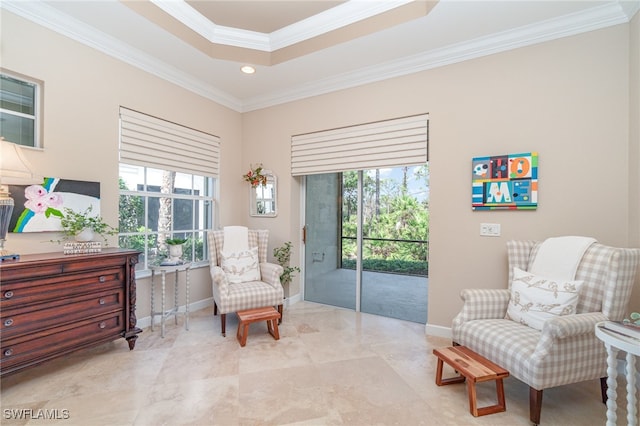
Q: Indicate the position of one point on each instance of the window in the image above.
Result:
(168, 174)
(156, 205)
(20, 109)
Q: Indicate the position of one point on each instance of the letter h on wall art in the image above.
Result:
(505, 182)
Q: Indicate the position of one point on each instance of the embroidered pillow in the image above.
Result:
(241, 266)
(534, 299)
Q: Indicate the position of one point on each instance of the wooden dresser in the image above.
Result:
(53, 304)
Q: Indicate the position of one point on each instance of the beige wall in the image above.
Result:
(83, 92)
(552, 98)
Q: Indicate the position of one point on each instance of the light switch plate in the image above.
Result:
(490, 229)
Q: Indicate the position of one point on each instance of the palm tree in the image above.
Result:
(165, 216)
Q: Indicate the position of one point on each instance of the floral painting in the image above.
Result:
(38, 208)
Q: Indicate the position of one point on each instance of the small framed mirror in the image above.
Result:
(262, 198)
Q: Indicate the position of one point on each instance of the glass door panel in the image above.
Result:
(367, 241)
(394, 242)
(325, 281)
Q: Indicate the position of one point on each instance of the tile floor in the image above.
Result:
(331, 366)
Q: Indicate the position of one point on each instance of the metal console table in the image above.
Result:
(163, 313)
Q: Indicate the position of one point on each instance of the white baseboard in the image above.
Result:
(195, 306)
(145, 322)
(437, 330)
(292, 300)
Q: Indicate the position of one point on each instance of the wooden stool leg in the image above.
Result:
(497, 408)
(272, 326)
(245, 334)
(500, 391)
(473, 407)
(451, 380)
(439, 373)
(245, 329)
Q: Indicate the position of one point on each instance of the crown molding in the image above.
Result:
(49, 17)
(630, 8)
(213, 32)
(332, 19)
(589, 20)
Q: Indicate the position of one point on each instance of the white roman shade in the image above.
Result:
(153, 142)
(389, 143)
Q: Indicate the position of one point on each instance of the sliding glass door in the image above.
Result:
(395, 226)
(367, 241)
(325, 281)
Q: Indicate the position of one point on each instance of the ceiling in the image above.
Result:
(260, 16)
(306, 48)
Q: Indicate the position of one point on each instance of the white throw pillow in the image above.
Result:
(534, 299)
(241, 266)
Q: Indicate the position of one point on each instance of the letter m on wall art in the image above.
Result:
(505, 182)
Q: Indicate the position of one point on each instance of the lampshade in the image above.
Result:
(14, 170)
(14, 167)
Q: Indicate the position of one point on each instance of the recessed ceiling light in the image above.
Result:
(248, 69)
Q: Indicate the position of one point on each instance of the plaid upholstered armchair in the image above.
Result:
(565, 349)
(241, 276)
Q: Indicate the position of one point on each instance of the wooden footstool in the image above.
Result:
(246, 317)
(475, 369)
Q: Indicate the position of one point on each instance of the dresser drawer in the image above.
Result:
(52, 304)
(23, 293)
(57, 312)
(45, 266)
(44, 345)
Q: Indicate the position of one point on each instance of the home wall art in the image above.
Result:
(505, 182)
(38, 208)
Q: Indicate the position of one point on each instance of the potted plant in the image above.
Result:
(82, 226)
(175, 248)
(634, 319)
(283, 256)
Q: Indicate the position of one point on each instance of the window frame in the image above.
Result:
(38, 107)
(208, 198)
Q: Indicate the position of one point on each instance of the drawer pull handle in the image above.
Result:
(8, 322)
(101, 301)
(102, 324)
(8, 352)
(102, 278)
(8, 294)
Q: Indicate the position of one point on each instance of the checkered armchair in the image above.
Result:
(232, 297)
(566, 350)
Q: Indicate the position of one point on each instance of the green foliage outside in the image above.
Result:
(131, 220)
(392, 266)
(390, 212)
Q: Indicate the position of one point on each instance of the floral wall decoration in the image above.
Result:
(505, 182)
(255, 177)
(38, 208)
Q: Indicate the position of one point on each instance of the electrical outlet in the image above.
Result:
(490, 229)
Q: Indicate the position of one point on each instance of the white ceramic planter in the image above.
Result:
(85, 235)
(175, 252)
